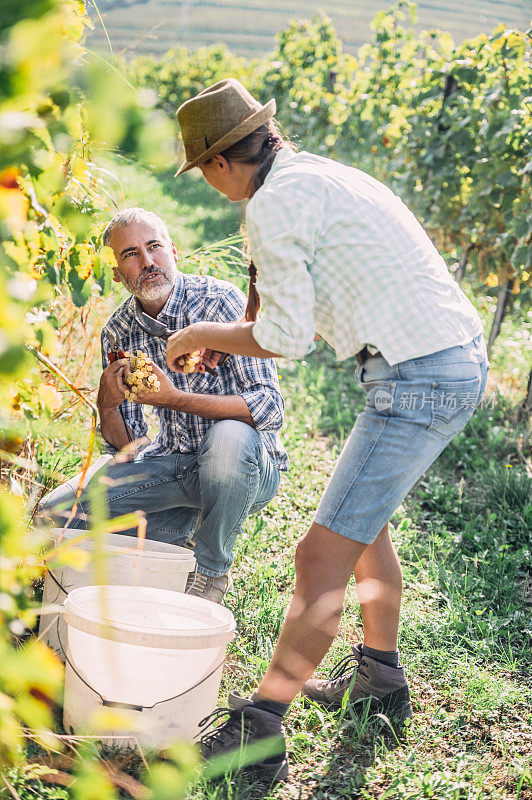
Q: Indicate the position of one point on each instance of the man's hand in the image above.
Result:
(210, 358)
(167, 397)
(111, 392)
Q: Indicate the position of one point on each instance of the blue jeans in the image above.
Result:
(230, 477)
(413, 410)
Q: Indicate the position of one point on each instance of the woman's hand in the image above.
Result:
(181, 343)
(213, 338)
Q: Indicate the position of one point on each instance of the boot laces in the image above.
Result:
(199, 581)
(229, 731)
(341, 672)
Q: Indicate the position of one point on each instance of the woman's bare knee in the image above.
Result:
(327, 556)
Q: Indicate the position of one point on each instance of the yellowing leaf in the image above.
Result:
(86, 260)
(78, 167)
(113, 719)
(33, 712)
(10, 733)
(33, 667)
(11, 511)
(108, 257)
(14, 208)
(50, 397)
(92, 783)
(17, 251)
(71, 557)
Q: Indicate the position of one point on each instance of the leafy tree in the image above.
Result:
(309, 76)
(182, 73)
(463, 166)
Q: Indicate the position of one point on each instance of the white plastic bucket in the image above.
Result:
(154, 656)
(128, 563)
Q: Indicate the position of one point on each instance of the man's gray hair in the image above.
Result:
(128, 215)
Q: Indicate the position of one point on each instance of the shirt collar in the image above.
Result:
(284, 155)
(175, 298)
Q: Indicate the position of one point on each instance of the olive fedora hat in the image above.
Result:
(218, 117)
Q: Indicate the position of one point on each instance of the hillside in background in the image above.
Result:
(248, 27)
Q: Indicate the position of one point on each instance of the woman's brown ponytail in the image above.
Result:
(253, 306)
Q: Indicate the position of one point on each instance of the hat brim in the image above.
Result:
(235, 135)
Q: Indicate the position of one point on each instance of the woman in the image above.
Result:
(336, 253)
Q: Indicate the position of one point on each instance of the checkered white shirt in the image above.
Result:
(338, 253)
(200, 298)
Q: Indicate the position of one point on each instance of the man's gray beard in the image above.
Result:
(154, 292)
(150, 293)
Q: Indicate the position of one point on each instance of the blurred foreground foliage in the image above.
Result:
(59, 107)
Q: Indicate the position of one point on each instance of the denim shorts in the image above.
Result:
(413, 410)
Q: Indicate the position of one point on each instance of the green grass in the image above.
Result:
(248, 27)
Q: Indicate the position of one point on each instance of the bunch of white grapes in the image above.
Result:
(141, 377)
(190, 362)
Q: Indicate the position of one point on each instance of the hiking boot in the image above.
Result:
(386, 686)
(247, 725)
(213, 589)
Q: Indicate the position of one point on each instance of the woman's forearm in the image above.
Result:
(224, 337)
(231, 337)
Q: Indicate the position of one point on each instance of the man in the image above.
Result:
(217, 452)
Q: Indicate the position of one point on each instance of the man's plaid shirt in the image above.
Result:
(193, 299)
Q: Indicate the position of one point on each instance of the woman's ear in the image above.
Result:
(222, 163)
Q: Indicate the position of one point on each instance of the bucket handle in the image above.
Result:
(52, 576)
(131, 706)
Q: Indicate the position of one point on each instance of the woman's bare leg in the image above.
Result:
(324, 563)
(379, 584)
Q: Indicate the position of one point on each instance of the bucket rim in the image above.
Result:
(177, 553)
(78, 617)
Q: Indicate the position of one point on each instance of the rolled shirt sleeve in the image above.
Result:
(283, 227)
(256, 377)
(259, 382)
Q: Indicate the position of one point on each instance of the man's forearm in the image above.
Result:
(210, 406)
(113, 427)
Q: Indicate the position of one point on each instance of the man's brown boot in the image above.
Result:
(213, 589)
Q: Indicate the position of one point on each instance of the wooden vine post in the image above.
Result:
(503, 301)
(525, 410)
(462, 264)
